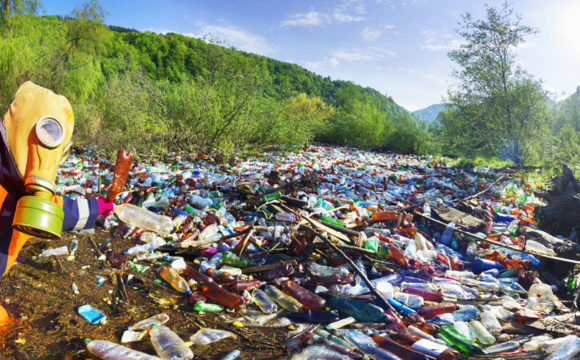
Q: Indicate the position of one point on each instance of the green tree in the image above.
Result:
(19, 7)
(497, 108)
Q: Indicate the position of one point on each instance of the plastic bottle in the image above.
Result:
(263, 301)
(242, 285)
(412, 301)
(467, 313)
(535, 342)
(458, 340)
(385, 215)
(425, 346)
(490, 322)
(172, 277)
(107, 350)
(366, 344)
(279, 271)
(359, 309)
(308, 299)
(425, 294)
(232, 259)
(285, 301)
(481, 333)
(145, 248)
(537, 248)
(541, 297)
(479, 265)
(314, 352)
(207, 307)
(122, 166)
(331, 220)
(321, 270)
(505, 347)
(199, 202)
(569, 350)
(168, 344)
(448, 233)
(63, 250)
(206, 336)
(429, 311)
(404, 352)
(218, 294)
(148, 323)
(143, 219)
(232, 355)
(313, 316)
(463, 328)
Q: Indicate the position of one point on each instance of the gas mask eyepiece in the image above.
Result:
(49, 131)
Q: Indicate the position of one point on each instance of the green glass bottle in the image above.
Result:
(207, 307)
(234, 260)
(458, 340)
(572, 283)
(359, 309)
(332, 220)
(272, 196)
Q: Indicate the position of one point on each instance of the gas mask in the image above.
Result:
(39, 127)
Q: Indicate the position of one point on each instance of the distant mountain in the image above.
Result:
(429, 114)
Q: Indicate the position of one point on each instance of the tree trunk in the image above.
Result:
(562, 215)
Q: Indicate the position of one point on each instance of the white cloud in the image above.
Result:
(350, 11)
(311, 18)
(367, 55)
(436, 41)
(372, 33)
(239, 38)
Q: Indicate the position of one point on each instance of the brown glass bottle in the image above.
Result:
(308, 299)
(404, 352)
(124, 162)
(425, 346)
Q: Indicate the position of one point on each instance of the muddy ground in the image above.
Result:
(39, 293)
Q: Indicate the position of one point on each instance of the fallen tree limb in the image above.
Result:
(479, 239)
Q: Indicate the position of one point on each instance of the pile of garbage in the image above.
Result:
(354, 253)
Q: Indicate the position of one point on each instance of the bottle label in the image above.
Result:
(429, 347)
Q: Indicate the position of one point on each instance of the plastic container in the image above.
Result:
(206, 336)
(107, 350)
(172, 277)
(168, 344)
(359, 309)
(144, 219)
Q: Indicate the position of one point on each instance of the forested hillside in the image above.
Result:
(430, 113)
(170, 92)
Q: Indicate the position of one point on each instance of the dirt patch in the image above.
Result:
(39, 293)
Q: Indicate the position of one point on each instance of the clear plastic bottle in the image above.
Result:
(263, 301)
(206, 336)
(569, 349)
(63, 250)
(145, 248)
(481, 333)
(448, 233)
(285, 301)
(172, 277)
(321, 270)
(144, 219)
(366, 344)
(199, 202)
(169, 345)
(107, 350)
(148, 323)
(490, 322)
(315, 352)
(541, 297)
(535, 247)
(412, 301)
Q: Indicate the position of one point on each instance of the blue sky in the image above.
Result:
(398, 47)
